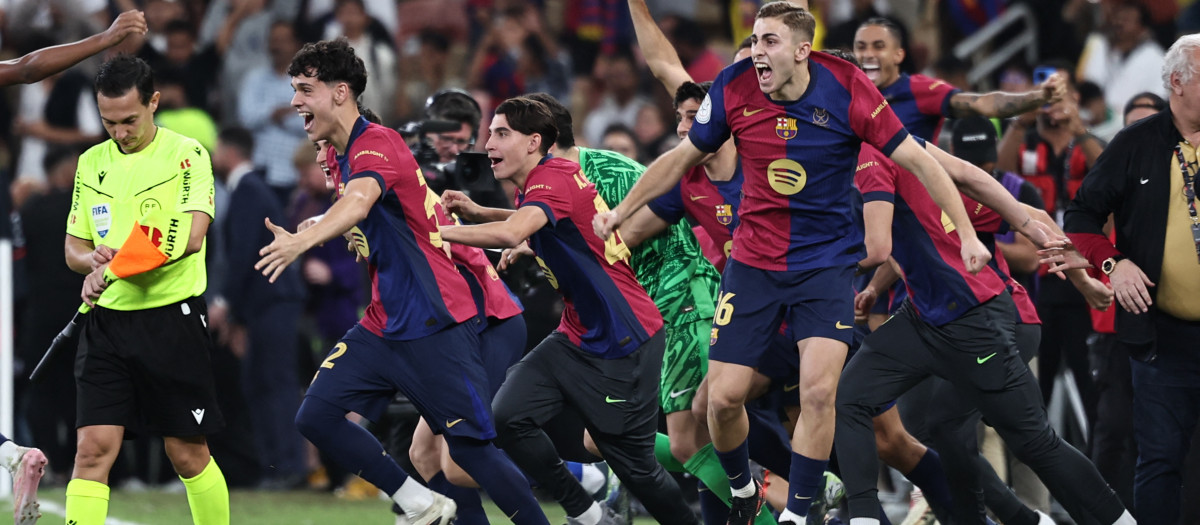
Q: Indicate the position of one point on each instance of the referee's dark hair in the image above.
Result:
(562, 119)
(528, 116)
(331, 61)
(238, 138)
(122, 73)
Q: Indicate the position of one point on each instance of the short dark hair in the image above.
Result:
(529, 116)
(1145, 99)
(797, 18)
(562, 119)
(456, 105)
(179, 25)
(620, 127)
(688, 32)
(238, 138)
(124, 72)
(691, 91)
(1089, 91)
(747, 43)
(844, 55)
(894, 29)
(331, 61)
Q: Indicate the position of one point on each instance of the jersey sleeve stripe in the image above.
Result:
(894, 143)
(545, 208)
(876, 196)
(946, 102)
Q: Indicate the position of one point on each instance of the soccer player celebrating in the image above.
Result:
(921, 102)
(143, 358)
(414, 337)
(959, 326)
(794, 253)
(604, 360)
(27, 465)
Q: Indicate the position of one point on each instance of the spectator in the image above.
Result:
(691, 42)
(424, 72)
(264, 317)
(620, 102)
(1095, 113)
(1125, 59)
(193, 66)
(175, 112)
(544, 68)
(619, 138)
(377, 54)
(1153, 269)
(240, 30)
(265, 108)
(453, 105)
(67, 117)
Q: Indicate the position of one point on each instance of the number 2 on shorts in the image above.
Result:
(338, 350)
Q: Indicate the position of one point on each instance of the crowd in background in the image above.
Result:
(221, 69)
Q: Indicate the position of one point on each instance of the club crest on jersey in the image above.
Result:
(786, 176)
(785, 127)
(821, 117)
(724, 214)
(102, 218)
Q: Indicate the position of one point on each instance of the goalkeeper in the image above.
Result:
(143, 361)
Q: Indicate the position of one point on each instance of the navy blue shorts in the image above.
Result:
(502, 344)
(753, 303)
(442, 374)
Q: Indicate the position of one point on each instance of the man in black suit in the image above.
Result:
(261, 323)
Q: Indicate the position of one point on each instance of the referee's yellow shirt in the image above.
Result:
(114, 189)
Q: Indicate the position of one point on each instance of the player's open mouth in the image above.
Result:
(871, 70)
(764, 72)
(495, 161)
(308, 120)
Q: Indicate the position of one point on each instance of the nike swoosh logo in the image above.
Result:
(800, 498)
(514, 515)
(747, 112)
(675, 394)
(841, 326)
(789, 388)
(609, 399)
(982, 360)
(698, 197)
(1143, 181)
(450, 424)
(735, 477)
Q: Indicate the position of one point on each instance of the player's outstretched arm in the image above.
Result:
(978, 185)
(458, 203)
(1005, 104)
(660, 56)
(350, 209)
(45, 62)
(642, 225)
(912, 157)
(508, 233)
(660, 177)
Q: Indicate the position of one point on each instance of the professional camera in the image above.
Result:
(470, 172)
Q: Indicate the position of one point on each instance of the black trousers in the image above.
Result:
(977, 353)
(617, 400)
(1112, 448)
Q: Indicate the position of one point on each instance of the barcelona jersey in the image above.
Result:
(607, 312)
(415, 288)
(712, 204)
(798, 159)
(922, 103)
(926, 245)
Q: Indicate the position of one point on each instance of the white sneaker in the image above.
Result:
(1044, 519)
(441, 512)
(27, 472)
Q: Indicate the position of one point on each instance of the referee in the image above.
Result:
(143, 359)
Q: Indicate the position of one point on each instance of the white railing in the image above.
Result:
(989, 55)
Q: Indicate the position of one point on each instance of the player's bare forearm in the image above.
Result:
(877, 221)
(501, 234)
(642, 225)
(979, 185)
(42, 63)
(492, 215)
(995, 104)
(660, 177)
(349, 210)
(937, 182)
(885, 276)
(660, 56)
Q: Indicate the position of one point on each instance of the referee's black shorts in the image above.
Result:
(148, 370)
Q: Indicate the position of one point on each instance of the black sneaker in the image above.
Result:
(743, 511)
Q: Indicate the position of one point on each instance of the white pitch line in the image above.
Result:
(50, 507)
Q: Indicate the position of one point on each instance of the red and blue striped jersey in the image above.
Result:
(607, 312)
(415, 288)
(498, 300)
(712, 204)
(925, 243)
(797, 160)
(922, 103)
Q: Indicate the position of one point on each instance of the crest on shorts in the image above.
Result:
(724, 213)
(785, 127)
(712, 338)
(102, 218)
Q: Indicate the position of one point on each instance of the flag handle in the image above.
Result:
(60, 341)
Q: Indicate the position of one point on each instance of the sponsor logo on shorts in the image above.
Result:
(790, 388)
(450, 424)
(609, 399)
(198, 414)
(982, 360)
(840, 326)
